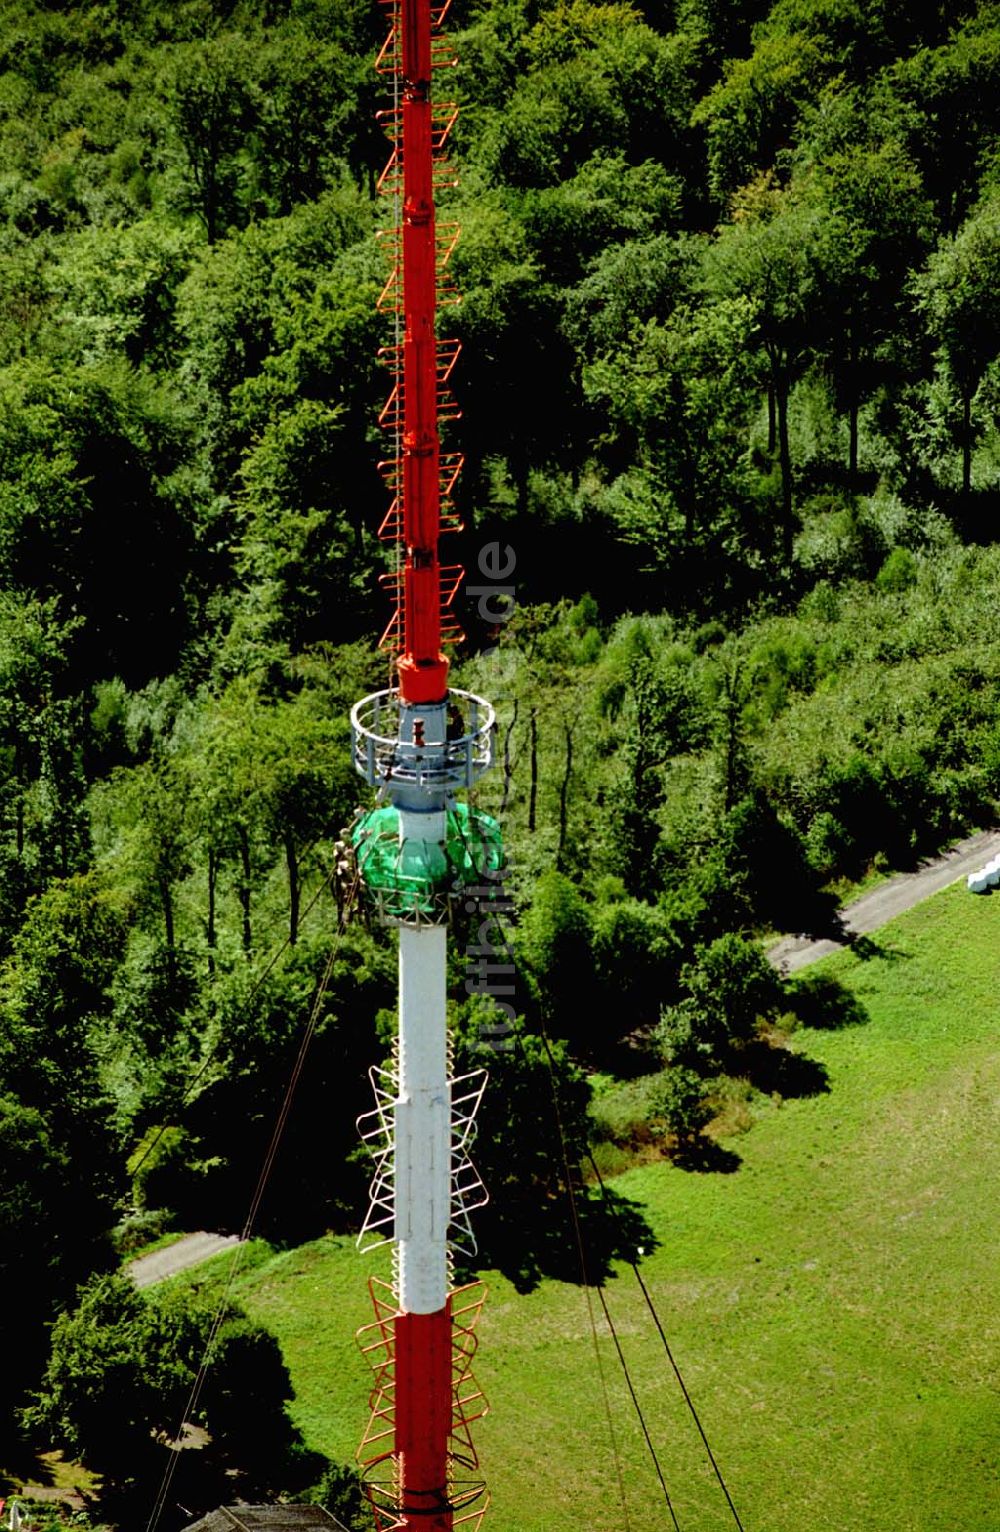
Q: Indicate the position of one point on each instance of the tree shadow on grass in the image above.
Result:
(571, 1242)
(23, 1463)
(865, 948)
(630, 1057)
(777, 1071)
(203, 1477)
(820, 1001)
(704, 1155)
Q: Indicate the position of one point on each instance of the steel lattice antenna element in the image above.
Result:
(420, 744)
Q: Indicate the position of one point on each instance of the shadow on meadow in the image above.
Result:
(705, 1156)
(23, 1465)
(570, 1241)
(867, 949)
(777, 1071)
(822, 1002)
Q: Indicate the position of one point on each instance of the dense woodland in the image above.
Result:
(730, 309)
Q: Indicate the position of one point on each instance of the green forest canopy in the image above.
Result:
(729, 388)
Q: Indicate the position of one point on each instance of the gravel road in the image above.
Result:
(189, 1251)
(890, 899)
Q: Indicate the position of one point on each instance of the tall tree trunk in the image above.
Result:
(294, 891)
(732, 744)
(210, 932)
(785, 461)
(520, 470)
(852, 408)
(19, 810)
(167, 904)
(244, 886)
(564, 794)
(734, 780)
(772, 438)
(210, 183)
(533, 764)
(211, 221)
(508, 760)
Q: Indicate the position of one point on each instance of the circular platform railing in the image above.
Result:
(443, 765)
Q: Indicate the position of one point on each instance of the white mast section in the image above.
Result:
(423, 1122)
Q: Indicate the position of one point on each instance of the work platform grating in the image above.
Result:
(267, 1518)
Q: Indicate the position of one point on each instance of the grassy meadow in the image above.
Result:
(832, 1301)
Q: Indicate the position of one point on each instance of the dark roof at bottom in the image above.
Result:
(267, 1518)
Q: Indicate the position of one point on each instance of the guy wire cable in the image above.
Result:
(578, 1233)
(630, 1260)
(219, 1317)
(599, 1285)
(635, 1401)
(273, 958)
(600, 1288)
(581, 1255)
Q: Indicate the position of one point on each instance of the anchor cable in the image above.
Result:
(219, 1317)
(274, 957)
(670, 1355)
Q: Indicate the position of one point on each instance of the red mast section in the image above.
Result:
(421, 477)
(423, 669)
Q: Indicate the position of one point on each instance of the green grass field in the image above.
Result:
(832, 1303)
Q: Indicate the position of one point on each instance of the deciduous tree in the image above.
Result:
(959, 294)
(771, 254)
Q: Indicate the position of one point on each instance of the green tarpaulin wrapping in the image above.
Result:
(414, 871)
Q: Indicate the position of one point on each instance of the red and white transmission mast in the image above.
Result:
(419, 744)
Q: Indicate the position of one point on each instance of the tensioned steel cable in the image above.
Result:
(219, 1318)
(670, 1355)
(209, 1058)
(599, 1285)
(600, 1290)
(637, 1406)
(578, 1234)
(581, 1255)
